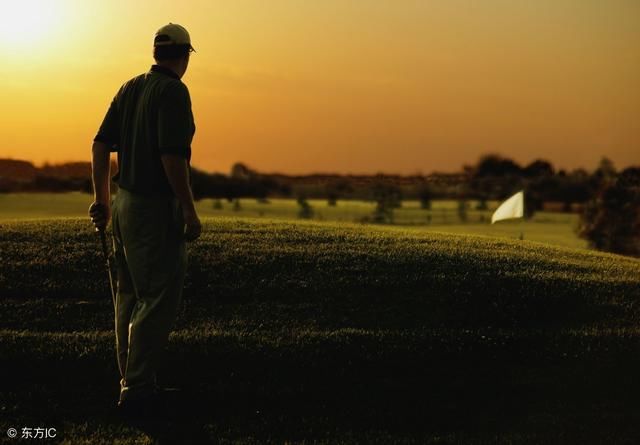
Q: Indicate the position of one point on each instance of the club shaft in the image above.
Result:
(105, 252)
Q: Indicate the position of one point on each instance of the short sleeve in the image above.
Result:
(175, 121)
(109, 132)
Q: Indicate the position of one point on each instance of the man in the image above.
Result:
(150, 125)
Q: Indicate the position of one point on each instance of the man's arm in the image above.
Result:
(100, 210)
(177, 173)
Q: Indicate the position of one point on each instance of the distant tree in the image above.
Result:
(606, 168)
(387, 197)
(236, 205)
(462, 210)
(494, 177)
(541, 188)
(214, 185)
(574, 189)
(383, 213)
(611, 221)
(13, 169)
(494, 165)
(337, 189)
(241, 171)
(532, 203)
(217, 204)
(286, 190)
(605, 173)
(56, 184)
(305, 211)
(425, 196)
(538, 168)
(579, 174)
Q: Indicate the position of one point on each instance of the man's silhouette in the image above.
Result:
(150, 125)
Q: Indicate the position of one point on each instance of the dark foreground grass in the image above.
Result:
(325, 334)
(348, 275)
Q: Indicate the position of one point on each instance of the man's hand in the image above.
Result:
(100, 214)
(100, 210)
(193, 227)
(177, 171)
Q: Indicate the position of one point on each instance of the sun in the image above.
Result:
(26, 23)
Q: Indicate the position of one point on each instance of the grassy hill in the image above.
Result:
(335, 334)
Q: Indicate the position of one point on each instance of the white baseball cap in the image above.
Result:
(172, 34)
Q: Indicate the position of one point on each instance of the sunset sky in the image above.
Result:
(398, 86)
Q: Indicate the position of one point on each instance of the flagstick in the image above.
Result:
(521, 230)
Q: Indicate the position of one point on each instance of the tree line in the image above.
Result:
(493, 177)
(608, 200)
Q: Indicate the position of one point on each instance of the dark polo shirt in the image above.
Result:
(149, 116)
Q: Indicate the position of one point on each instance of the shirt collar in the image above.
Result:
(163, 70)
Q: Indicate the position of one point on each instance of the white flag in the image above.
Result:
(511, 208)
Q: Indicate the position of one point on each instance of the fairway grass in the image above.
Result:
(307, 332)
(551, 228)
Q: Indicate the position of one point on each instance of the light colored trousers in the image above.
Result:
(151, 263)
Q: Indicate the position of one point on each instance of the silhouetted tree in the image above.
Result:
(605, 173)
(496, 166)
(611, 221)
(337, 189)
(494, 177)
(332, 198)
(424, 195)
(388, 197)
(532, 203)
(538, 168)
(306, 211)
(241, 171)
(574, 188)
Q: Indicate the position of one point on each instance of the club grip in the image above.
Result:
(102, 210)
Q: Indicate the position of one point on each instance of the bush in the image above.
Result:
(611, 221)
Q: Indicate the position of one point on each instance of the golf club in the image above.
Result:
(105, 253)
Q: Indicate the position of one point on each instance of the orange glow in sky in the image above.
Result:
(338, 85)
